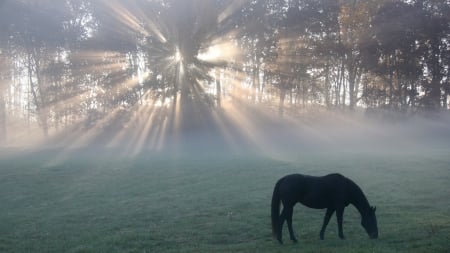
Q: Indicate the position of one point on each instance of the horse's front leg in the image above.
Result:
(339, 216)
(326, 219)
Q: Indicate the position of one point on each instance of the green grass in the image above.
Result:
(159, 203)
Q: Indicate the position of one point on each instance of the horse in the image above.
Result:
(333, 192)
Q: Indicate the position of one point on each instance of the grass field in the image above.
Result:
(214, 203)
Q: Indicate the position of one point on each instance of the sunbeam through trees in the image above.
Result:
(145, 72)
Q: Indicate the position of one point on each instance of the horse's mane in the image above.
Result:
(358, 199)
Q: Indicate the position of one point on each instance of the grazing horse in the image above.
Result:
(333, 192)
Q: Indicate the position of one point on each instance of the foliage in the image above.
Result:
(96, 55)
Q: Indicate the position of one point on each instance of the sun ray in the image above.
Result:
(125, 16)
(232, 8)
(219, 51)
(152, 122)
(136, 140)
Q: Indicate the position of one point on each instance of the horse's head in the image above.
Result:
(369, 222)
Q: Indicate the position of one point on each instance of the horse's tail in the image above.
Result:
(275, 213)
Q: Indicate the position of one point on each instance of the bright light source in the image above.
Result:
(211, 54)
(178, 57)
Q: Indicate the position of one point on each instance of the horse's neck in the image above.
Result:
(359, 200)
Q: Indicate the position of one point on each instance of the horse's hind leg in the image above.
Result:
(339, 216)
(286, 214)
(326, 219)
(289, 213)
(280, 225)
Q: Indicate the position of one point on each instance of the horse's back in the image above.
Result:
(313, 191)
(307, 180)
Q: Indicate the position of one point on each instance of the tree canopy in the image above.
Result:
(168, 64)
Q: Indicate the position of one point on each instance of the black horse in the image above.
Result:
(333, 192)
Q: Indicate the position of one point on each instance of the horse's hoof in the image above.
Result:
(280, 240)
(294, 240)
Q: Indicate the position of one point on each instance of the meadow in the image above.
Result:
(161, 202)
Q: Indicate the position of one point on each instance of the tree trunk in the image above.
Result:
(342, 85)
(391, 82)
(344, 93)
(42, 109)
(358, 81)
(435, 89)
(261, 89)
(304, 95)
(281, 104)
(173, 116)
(3, 99)
(445, 101)
(327, 84)
(337, 90)
(218, 89)
(351, 84)
(39, 101)
(2, 117)
(446, 92)
(255, 83)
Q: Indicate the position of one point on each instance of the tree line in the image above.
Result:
(72, 61)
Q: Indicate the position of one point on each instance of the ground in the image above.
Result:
(166, 202)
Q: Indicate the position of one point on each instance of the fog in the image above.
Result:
(261, 134)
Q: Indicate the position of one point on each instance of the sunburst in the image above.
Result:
(184, 65)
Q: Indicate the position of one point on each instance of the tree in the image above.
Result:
(83, 61)
(181, 32)
(436, 31)
(4, 76)
(354, 18)
(410, 45)
(38, 35)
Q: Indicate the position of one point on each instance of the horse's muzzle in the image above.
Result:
(373, 236)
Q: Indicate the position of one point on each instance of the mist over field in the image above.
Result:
(201, 194)
(266, 135)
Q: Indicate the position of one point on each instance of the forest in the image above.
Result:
(157, 67)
